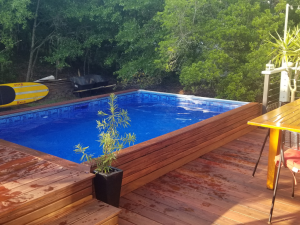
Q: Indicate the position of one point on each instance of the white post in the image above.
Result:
(284, 95)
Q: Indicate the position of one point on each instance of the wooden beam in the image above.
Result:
(215, 143)
(136, 151)
(149, 162)
(55, 206)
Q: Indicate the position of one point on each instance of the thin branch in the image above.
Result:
(6, 49)
(34, 62)
(46, 39)
(195, 12)
(43, 21)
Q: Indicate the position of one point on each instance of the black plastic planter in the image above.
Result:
(108, 186)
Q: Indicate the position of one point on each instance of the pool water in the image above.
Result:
(58, 133)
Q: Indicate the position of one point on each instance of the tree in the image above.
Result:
(219, 44)
(13, 17)
(136, 41)
(50, 20)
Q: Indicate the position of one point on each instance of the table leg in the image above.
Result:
(274, 149)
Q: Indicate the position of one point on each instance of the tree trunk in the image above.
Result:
(29, 66)
(89, 64)
(84, 62)
(34, 62)
(32, 42)
(56, 70)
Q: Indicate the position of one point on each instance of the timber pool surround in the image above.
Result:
(148, 160)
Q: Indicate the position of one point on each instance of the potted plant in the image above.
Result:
(108, 180)
(287, 51)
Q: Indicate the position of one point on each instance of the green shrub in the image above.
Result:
(110, 140)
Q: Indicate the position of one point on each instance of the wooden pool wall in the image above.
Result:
(144, 162)
(151, 159)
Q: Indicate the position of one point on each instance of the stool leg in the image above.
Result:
(277, 177)
(274, 193)
(261, 150)
(293, 186)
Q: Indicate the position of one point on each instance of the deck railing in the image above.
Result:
(271, 91)
(272, 101)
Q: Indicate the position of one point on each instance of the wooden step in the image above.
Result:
(87, 211)
(34, 184)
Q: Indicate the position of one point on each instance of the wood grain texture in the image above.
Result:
(31, 186)
(92, 212)
(286, 117)
(44, 156)
(31, 201)
(216, 188)
(50, 217)
(182, 143)
(274, 149)
(136, 151)
(112, 221)
(149, 160)
(180, 160)
(48, 209)
(35, 191)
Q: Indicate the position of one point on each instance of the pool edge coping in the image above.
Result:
(78, 100)
(48, 157)
(124, 151)
(45, 156)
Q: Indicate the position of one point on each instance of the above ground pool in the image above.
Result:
(56, 130)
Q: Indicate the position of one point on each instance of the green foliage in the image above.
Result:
(109, 138)
(64, 49)
(13, 17)
(288, 50)
(12, 13)
(142, 80)
(219, 44)
(138, 37)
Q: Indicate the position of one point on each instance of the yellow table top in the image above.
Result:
(286, 117)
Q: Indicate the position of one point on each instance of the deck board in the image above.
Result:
(32, 177)
(91, 213)
(29, 183)
(35, 185)
(39, 167)
(216, 188)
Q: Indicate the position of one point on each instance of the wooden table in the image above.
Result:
(286, 117)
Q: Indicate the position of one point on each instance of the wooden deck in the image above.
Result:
(37, 188)
(216, 188)
(146, 161)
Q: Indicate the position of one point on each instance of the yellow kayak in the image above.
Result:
(21, 93)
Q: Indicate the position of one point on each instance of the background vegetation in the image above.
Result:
(212, 45)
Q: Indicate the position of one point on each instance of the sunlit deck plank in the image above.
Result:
(218, 188)
(31, 181)
(31, 170)
(135, 218)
